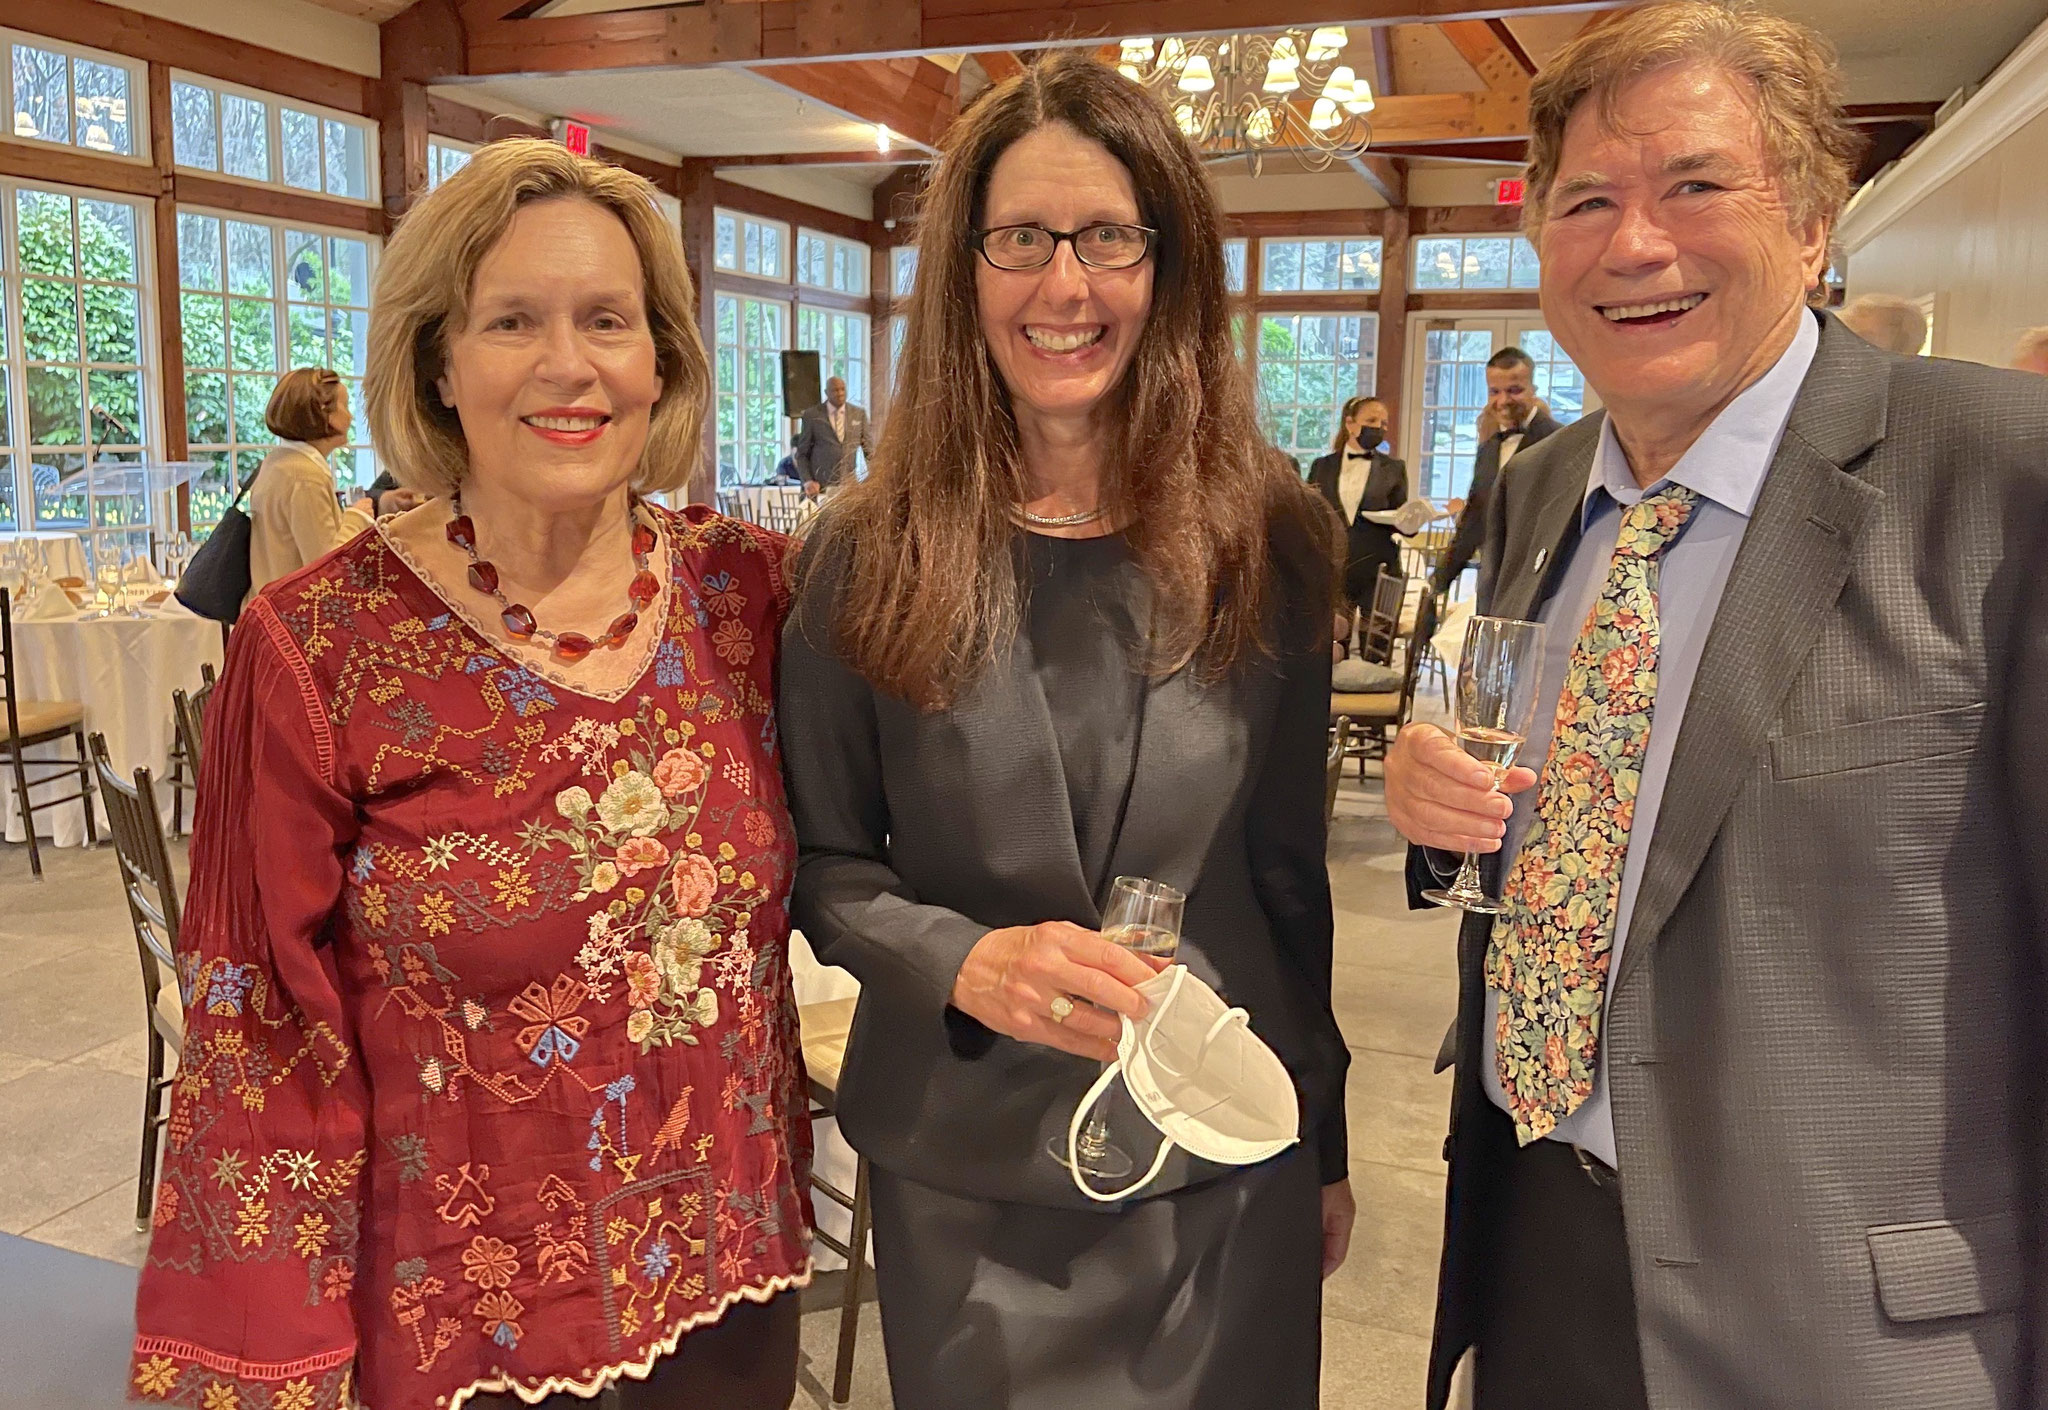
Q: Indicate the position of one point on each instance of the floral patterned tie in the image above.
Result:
(1549, 955)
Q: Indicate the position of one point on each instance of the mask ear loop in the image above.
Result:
(1109, 1075)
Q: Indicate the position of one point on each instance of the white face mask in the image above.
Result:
(1200, 1075)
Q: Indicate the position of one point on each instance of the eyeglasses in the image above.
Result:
(1100, 246)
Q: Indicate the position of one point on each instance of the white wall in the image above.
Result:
(809, 185)
(1455, 183)
(289, 26)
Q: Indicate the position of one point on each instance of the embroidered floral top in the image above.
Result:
(491, 1077)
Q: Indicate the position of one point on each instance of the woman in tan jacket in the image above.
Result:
(293, 513)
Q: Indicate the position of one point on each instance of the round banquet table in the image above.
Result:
(122, 670)
(63, 551)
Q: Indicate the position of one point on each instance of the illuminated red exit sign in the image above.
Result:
(1509, 191)
(574, 135)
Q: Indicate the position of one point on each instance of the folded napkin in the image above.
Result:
(143, 573)
(1408, 520)
(49, 603)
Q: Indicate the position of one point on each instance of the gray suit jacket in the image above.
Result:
(920, 832)
(1827, 1042)
(821, 455)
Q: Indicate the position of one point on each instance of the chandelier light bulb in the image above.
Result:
(1195, 76)
(882, 139)
(1324, 117)
(1285, 52)
(1137, 51)
(1184, 118)
(1361, 97)
(1259, 127)
(1339, 87)
(1172, 54)
(1327, 42)
(1281, 77)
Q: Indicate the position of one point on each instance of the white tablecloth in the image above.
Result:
(61, 550)
(778, 507)
(123, 670)
(832, 1157)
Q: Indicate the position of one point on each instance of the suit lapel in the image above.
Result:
(1555, 496)
(1174, 803)
(1787, 576)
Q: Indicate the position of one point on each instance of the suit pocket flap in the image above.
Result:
(1944, 1269)
(1897, 739)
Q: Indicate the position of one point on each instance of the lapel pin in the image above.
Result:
(1542, 554)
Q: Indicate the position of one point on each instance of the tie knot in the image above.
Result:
(1653, 522)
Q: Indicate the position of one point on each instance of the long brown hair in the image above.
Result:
(930, 594)
(1344, 421)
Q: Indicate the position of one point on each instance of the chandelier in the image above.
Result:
(1256, 95)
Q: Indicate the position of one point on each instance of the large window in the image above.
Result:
(1559, 383)
(75, 270)
(1318, 266)
(253, 136)
(258, 299)
(828, 262)
(745, 244)
(841, 342)
(903, 270)
(74, 97)
(751, 435)
(445, 157)
(1309, 366)
(1476, 262)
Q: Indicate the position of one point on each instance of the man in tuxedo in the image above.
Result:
(1511, 398)
(832, 432)
(1356, 478)
(1751, 1109)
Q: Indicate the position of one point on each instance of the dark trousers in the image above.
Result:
(744, 1361)
(1559, 1331)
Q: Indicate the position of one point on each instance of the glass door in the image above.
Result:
(1448, 391)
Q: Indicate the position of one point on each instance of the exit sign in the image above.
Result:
(574, 135)
(1509, 191)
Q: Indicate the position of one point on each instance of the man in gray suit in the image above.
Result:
(832, 431)
(1750, 1110)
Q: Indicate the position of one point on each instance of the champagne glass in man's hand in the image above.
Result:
(1499, 677)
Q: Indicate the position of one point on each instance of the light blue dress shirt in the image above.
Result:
(1726, 466)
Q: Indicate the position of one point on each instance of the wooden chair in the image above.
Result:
(188, 715)
(1383, 617)
(1333, 765)
(1373, 717)
(151, 889)
(33, 722)
(825, 1028)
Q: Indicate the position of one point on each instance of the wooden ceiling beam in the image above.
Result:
(1000, 65)
(900, 157)
(1387, 176)
(915, 98)
(1383, 60)
(1513, 45)
(1480, 46)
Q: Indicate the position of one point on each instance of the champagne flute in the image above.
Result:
(1144, 917)
(1499, 675)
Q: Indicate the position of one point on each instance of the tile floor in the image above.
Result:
(71, 1065)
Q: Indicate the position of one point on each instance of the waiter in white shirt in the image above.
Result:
(1357, 478)
(1512, 402)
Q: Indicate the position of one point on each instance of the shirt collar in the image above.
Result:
(304, 449)
(1727, 464)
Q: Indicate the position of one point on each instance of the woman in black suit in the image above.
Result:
(1355, 477)
(1073, 626)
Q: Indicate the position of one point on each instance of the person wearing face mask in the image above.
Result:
(1356, 477)
(1520, 421)
(491, 1091)
(1075, 624)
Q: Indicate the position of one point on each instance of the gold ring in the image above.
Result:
(1062, 1008)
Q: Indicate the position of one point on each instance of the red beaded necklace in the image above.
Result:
(518, 618)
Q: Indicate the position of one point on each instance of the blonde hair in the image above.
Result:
(1887, 321)
(422, 296)
(302, 406)
(2032, 346)
(1811, 148)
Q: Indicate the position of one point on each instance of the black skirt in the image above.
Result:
(1208, 1298)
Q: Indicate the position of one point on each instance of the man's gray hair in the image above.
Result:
(1887, 321)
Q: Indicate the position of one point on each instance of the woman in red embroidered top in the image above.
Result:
(491, 1089)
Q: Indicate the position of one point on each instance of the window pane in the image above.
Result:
(49, 319)
(905, 261)
(1439, 264)
(198, 251)
(121, 394)
(112, 324)
(56, 406)
(1486, 263)
(305, 277)
(349, 346)
(249, 254)
(1319, 265)
(725, 232)
(307, 330)
(1282, 266)
(348, 272)
(300, 139)
(45, 232)
(194, 141)
(42, 94)
(206, 408)
(107, 236)
(1233, 265)
(101, 106)
(1527, 273)
(1361, 267)
(751, 242)
(251, 395)
(347, 160)
(771, 252)
(253, 329)
(205, 331)
(245, 137)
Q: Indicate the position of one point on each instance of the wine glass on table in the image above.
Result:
(1144, 917)
(1499, 676)
(110, 575)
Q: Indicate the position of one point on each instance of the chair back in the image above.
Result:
(188, 715)
(7, 665)
(1383, 619)
(147, 880)
(1413, 647)
(1333, 765)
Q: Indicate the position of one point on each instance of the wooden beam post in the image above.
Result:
(1389, 374)
(696, 186)
(1387, 176)
(170, 322)
(415, 45)
(1383, 59)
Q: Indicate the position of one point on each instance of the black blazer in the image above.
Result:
(1370, 545)
(1472, 522)
(918, 833)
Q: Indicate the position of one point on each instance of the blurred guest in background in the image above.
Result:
(2032, 353)
(1519, 421)
(390, 497)
(832, 433)
(294, 517)
(1075, 624)
(490, 1093)
(1357, 477)
(1886, 321)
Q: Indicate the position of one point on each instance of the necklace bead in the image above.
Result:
(568, 647)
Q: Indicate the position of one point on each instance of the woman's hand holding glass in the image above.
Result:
(1012, 976)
